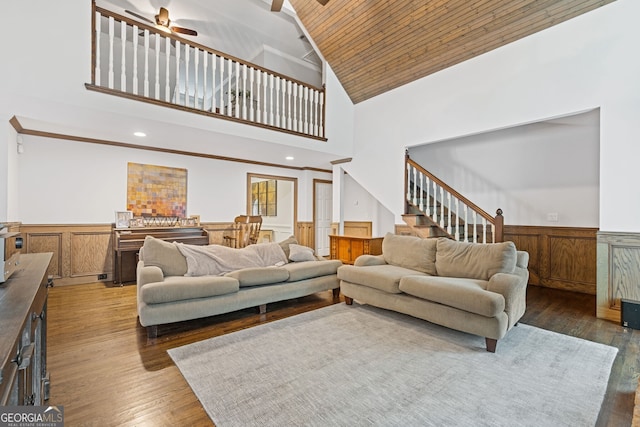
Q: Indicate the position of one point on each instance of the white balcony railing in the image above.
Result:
(140, 61)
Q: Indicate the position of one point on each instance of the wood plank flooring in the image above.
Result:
(106, 372)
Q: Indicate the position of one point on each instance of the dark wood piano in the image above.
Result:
(128, 241)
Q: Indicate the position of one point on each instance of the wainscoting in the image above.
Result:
(559, 257)
(84, 252)
(618, 272)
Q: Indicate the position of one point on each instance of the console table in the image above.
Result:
(348, 248)
(24, 379)
(128, 241)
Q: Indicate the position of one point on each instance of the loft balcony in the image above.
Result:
(141, 62)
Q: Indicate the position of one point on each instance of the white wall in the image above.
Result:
(360, 205)
(62, 182)
(576, 66)
(528, 171)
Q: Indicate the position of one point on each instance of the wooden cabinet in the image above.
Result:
(24, 379)
(348, 248)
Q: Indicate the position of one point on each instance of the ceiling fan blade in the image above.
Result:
(162, 18)
(186, 31)
(140, 16)
(323, 2)
(276, 5)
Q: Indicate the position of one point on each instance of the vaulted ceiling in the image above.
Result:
(374, 46)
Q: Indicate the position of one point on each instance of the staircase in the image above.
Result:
(434, 209)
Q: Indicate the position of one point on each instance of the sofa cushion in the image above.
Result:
(177, 288)
(285, 245)
(465, 294)
(309, 269)
(298, 253)
(259, 276)
(165, 255)
(474, 260)
(382, 277)
(410, 252)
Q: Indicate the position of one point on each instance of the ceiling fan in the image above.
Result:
(276, 5)
(163, 22)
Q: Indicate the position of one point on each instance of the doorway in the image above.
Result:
(322, 215)
(275, 198)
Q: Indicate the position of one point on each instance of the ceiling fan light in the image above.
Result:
(163, 28)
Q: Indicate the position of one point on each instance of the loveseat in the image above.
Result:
(475, 288)
(169, 289)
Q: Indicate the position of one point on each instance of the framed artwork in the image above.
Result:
(123, 218)
(136, 222)
(156, 191)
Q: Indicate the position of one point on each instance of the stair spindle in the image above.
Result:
(176, 91)
(97, 73)
(156, 93)
(196, 68)
(187, 55)
(146, 64)
(111, 35)
(123, 56)
(167, 69)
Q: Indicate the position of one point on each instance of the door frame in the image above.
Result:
(317, 181)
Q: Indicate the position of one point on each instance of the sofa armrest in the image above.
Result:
(513, 287)
(148, 274)
(365, 260)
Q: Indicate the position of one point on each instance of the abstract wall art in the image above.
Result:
(156, 191)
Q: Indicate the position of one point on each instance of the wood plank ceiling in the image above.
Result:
(377, 45)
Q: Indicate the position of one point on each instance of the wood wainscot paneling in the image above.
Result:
(81, 253)
(305, 233)
(559, 257)
(618, 260)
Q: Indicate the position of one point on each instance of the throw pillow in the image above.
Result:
(164, 255)
(474, 260)
(285, 244)
(299, 253)
(410, 252)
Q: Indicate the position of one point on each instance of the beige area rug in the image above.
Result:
(361, 366)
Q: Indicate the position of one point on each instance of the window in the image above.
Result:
(264, 198)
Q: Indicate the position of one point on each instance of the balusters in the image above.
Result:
(157, 80)
(123, 56)
(448, 212)
(111, 35)
(213, 82)
(167, 62)
(134, 81)
(244, 91)
(237, 88)
(258, 105)
(186, 74)
(196, 94)
(484, 230)
(414, 199)
(252, 92)
(321, 114)
(229, 74)
(441, 206)
(457, 234)
(428, 199)
(176, 92)
(434, 192)
(146, 63)
(475, 227)
(97, 73)
(466, 224)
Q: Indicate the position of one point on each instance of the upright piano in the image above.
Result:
(128, 241)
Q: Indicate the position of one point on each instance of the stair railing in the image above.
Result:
(138, 61)
(443, 206)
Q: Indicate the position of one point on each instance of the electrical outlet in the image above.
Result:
(102, 277)
(552, 217)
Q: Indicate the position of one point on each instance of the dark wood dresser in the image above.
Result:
(24, 379)
(128, 241)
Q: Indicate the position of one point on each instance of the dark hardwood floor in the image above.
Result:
(106, 372)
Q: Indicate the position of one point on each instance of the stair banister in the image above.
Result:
(452, 200)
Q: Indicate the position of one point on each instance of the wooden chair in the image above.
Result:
(245, 231)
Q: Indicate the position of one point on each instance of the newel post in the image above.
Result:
(406, 180)
(499, 222)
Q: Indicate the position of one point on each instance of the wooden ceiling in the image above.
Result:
(377, 45)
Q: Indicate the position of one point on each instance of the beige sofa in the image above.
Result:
(166, 295)
(471, 287)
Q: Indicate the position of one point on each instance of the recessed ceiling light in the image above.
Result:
(289, 157)
(140, 134)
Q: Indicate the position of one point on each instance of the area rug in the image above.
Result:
(362, 366)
